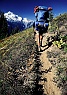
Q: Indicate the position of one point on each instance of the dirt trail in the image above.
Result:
(50, 88)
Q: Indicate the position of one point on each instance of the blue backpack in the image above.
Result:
(42, 13)
(42, 17)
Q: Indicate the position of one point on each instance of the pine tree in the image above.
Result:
(3, 26)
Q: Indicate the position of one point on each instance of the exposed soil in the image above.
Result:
(50, 87)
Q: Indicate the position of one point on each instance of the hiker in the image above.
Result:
(41, 23)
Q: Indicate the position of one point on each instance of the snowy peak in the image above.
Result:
(26, 20)
(10, 16)
(15, 20)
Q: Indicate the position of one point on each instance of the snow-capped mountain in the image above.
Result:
(15, 20)
(12, 17)
(27, 22)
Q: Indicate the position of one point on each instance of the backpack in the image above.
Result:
(42, 15)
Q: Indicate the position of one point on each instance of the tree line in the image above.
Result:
(4, 28)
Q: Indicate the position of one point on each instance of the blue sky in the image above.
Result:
(25, 8)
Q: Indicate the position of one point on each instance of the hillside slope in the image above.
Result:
(54, 58)
(25, 71)
(16, 56)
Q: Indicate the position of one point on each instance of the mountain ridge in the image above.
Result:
(15, 20)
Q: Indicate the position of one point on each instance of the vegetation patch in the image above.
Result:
(16, 57)
(58, 55)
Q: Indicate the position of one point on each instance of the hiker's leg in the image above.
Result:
(36, 36)
(41, 39)
(37, 39)
(38, 42)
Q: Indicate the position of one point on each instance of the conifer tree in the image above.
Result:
(3, 26)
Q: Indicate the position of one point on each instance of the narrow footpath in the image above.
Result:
(49, 71)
